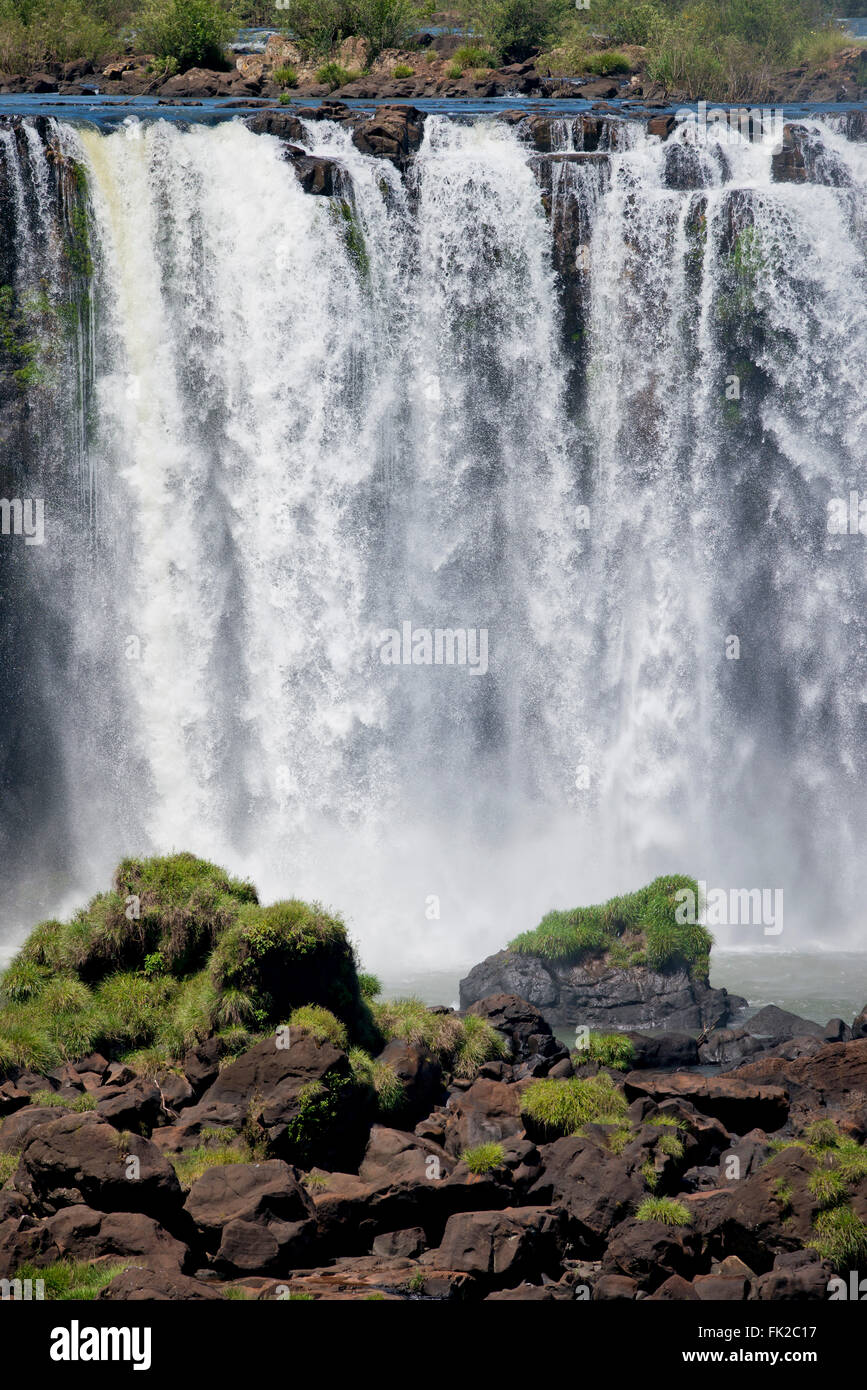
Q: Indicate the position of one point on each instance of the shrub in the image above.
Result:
(8, 1164)
(663, 1209)
(479, 1043)
(670, 1144)
(470, 56)
(516, 29)
(649, 1173)
(454, 70)
(193, 32)
(319, 25)
(383, 23)
(608, 62)
(286, 77)
(38, 32)
(193, 1163)
(332, 75)
(51, 1099)
(827, 1185)
(370, 986)
(560, 1107)
(382, 1079)
(403, 70)
(484, 1158)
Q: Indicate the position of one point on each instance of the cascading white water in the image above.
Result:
(318, 419)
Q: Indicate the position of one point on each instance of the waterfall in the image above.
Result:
(594, 405)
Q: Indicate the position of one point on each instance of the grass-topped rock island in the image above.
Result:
(628, 963)
(203, 1098)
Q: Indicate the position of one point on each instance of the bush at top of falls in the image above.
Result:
(319, 26)
(36, 32)
(176, 951)
(724, 50)
(195, 33)
(635, 929)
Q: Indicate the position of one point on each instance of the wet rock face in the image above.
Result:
(601, 998)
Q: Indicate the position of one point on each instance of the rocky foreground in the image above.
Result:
(695, 1187)
(366, 1150)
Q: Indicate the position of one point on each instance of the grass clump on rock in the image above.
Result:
(462, 1045)
(553, 1108)
(484, 1158)
(613, 1050)
(643, 926)
(840, 1236)
(665, 1210)
(175, 952)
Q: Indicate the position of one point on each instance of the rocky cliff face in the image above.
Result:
(602, 996)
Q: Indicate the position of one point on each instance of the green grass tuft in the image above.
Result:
(665, 1210)
(560, 1107)
(484, 1158)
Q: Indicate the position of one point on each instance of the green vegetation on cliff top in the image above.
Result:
(639, 928)
(721, 50)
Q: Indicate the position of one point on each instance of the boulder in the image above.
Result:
(405, 1244)
(614, 1286)
(137, 1106)
(649, 1252)
(83, 1233)
(281, 1082)
(265, 1194)
(253, 1247)
(740, 1104)
(674, 1289)
(420, 1074)
(141, 1285)
(393, 132)
(487, 1112)
(596, 1188)
(516, 1018)
(600, 996)
(796, 1275)
(81, 1158)
(662, 1050)
(502, 1248)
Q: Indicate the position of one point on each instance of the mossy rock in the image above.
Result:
(177, 950)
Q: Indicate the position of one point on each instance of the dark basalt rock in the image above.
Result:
(600, 996)
(394, 132)
(315, 174)
(741, 1105)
